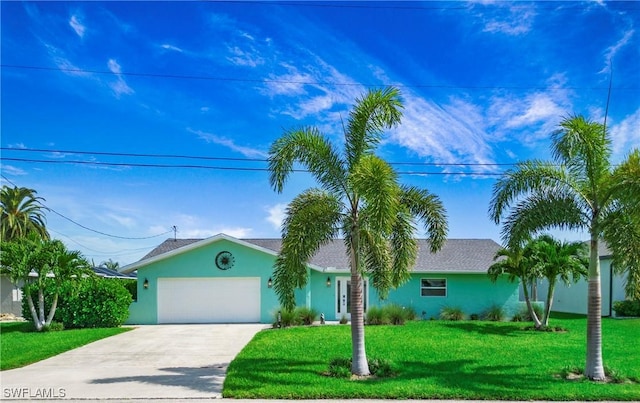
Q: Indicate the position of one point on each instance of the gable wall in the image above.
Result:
(200, 263)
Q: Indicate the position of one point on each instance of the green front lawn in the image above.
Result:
(438, 360)
(19, 347)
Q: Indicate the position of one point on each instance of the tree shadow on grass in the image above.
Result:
(12, 327)
(467, 379)
(210, 379)
(486, 328)
(207, 379)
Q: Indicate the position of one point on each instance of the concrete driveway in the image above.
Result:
(173, 362)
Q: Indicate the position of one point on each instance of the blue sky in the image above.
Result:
(482, 82)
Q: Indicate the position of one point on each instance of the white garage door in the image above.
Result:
(208, 300)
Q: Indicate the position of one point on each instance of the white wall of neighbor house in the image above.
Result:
(573, 298)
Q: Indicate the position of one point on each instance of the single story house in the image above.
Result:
(11, 293)
(572, 298)
(223, 279)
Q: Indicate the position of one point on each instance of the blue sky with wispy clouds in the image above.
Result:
(482, 82)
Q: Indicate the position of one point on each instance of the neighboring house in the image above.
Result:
(223, 279)
(11, 293)
(573, 298)
(11, 297)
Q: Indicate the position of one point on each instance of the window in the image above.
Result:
(433, 287)
(16, 294)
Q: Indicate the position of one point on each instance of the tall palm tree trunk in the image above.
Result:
(594, 369)
(359, 363)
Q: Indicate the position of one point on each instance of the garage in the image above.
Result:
(209, 300)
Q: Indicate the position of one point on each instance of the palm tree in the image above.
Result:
(515, 262)
(359, 198)
(21, 212)
(38, 262)
(580, 189)
(555, 259)
(110, 264)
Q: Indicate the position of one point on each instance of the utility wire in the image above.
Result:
(299, 82)
(134, 164)
(196, 157)
(395, 6)
(91, 229)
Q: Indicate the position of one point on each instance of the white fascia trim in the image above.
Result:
(142, 263)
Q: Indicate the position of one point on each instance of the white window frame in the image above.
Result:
(427, 288)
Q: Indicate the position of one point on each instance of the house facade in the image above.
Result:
(227, 280)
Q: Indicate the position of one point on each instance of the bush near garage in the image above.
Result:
(89, 303)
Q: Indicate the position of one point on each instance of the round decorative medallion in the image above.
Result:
(224, 260)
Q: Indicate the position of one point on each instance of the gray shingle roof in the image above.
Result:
(457, 255)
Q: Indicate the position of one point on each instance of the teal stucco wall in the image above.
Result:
(473, 293)
(200, 262)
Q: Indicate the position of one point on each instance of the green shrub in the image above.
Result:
(451, 313)
(518, 317)
(410, 313)
(377, 316)
(341, 368)
(344, 320)
(474, 316)
(86, 303)
(495, 314)
(95, 302)
(627, 308)
(306, 316)
(287, 318)
(382, 368)
(397, 314)
(526, 316)
(132, 287)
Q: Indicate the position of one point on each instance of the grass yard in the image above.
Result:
(19, 348)
(438, 360)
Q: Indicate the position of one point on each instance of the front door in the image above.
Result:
(343, 297)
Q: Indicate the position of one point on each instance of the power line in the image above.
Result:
(197, 157)
(209, 167)
(301, 82)
(395, 6)
(91, 229)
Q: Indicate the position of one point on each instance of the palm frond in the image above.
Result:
(375, 183)
(583, 147)
(541, 211)
(309, 148)
(526, 178)
(312, 219)
(404, 248)
(427, 208)
(378, 110)
(376, 259)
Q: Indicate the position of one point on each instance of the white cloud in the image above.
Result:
(626, 134)
(11, 170)
(448, 133)
(276, 215)
(226, 142)
(124, 221)
(167, 46)
(241, 57)
(613, 50)
(119, 86)
(513, 20)
(77, 25)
